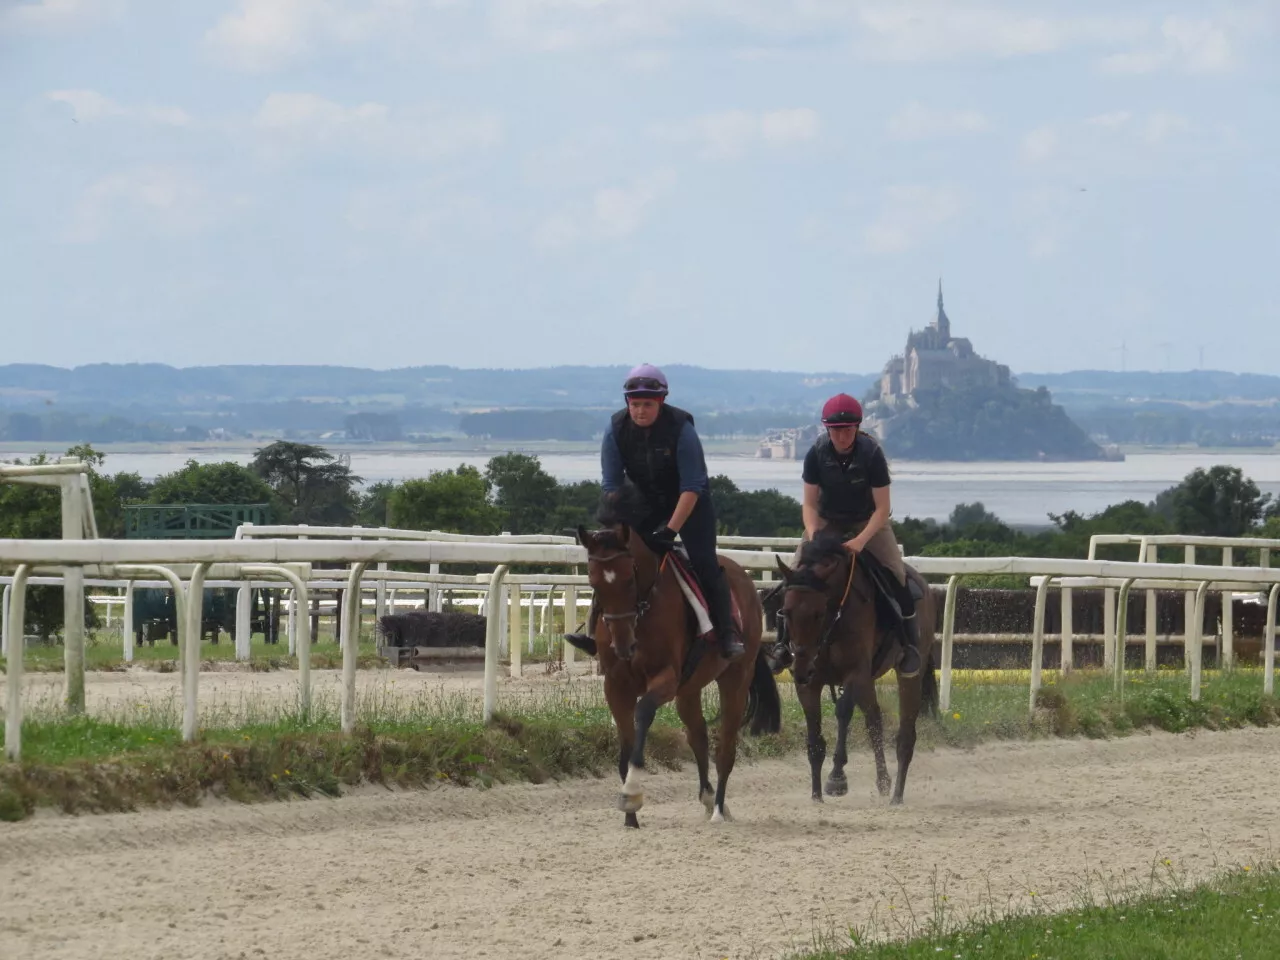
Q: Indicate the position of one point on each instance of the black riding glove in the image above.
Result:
(664, 537)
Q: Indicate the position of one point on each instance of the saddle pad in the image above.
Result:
(694, 596)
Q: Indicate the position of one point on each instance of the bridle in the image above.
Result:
(833, 618)
(642, 604)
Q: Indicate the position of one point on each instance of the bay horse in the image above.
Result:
(829, 603)
(646, 640)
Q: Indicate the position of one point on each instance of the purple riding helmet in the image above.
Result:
(645, 382)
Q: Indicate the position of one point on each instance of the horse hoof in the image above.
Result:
(837, 787)
(721, 815)
(708, 799)
(883, 788)
(630, 802)
(817, 798)
(895, 802)
(631, 821)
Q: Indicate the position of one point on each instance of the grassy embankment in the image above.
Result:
(132, 755)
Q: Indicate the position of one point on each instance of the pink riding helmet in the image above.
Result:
(645, 382)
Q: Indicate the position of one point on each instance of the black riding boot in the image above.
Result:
(721, 610)
(586, 642)
(909, 666)
(780, 655)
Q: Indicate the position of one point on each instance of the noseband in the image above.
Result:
(824, 642)
(642, 604)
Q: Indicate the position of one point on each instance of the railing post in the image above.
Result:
(244, 625)
(1067, 660)
(191, 660)
(1269, 657)
(1197, 640)
(948, 640)
(351, 648)
(1149, 648)
(1189, 614)
(434, 592)
(73, 598)
(570, 621)
(1227, 654)
(4, 619)
(1122, 631)
(126, 630)
(1108, 628)
(1037, 639)
(17, 651)
(491, 640)
(513, 621)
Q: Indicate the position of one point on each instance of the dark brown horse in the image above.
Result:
(830, 609)
(646, 641)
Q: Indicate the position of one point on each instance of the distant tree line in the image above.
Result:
(308, 484)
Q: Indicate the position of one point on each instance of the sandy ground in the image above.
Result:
(549, 871)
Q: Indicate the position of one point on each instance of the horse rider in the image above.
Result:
(654, 445)
(846, 488)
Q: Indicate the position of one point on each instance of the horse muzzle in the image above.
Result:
(622, 631)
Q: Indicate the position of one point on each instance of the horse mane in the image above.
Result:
(625, 506)
(825, 545)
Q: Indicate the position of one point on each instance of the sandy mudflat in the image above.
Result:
(548, 871)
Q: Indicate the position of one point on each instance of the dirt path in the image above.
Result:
(549, 872)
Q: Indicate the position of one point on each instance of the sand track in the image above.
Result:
(548, 871)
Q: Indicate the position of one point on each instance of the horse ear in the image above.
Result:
(782, 567)
(624, 534)
(583, 536)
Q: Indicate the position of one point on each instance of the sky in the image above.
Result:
(759, 184)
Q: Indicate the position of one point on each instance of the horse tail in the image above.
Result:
(764, 706)
(929, 686)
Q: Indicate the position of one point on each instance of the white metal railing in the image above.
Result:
(112, 558)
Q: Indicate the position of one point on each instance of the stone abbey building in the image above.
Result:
(934, 359)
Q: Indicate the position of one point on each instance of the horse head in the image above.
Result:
(814, 594)
(615, 554)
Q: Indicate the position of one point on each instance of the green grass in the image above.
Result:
(1235, 916)
(131, 753)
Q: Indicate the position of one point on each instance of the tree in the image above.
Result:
(577, 505)
(312, 486)
(224, 482)
(375, 505)
(453, 501)
(524, 492)
(1218, 502)
(754, 513)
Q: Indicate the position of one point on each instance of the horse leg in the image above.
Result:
(733, 707)
(864, 695)
(661, 689)
(810, 697)
(837, 781)
(689, 706)
(623, 706)
(909, 697)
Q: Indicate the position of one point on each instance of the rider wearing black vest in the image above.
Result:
(846, 488)
(655, 446)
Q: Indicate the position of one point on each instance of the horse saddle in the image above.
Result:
(889, 626)
(694, 595)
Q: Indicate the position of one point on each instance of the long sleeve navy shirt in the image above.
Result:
(690, 462)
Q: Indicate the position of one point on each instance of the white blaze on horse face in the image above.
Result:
(610, 576)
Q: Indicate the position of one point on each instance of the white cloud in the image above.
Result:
(266, 35)
(909, 213)
(613, 213)
(1106, 144)
(46, 15)
(151, 199)
(89, 106)
(305, 120)
(733, 132)
(1196, 46)
(930, 30)
(1040, 144)
(918, 122)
